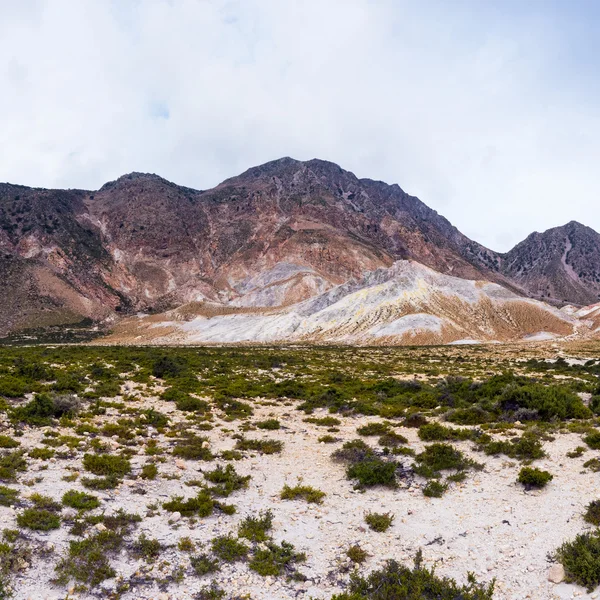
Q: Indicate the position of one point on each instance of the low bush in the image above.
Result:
(534, 478)
(146, 548)
(229, 549)
(373, 429)
(379, 522)
(593, 440)
(260, 446)
(356, 554)
(442, 457)
(269, 424)
(372, 472)
(38, 519)
(12, 463)
(8, 496)
(435, 489)
(306, 492)
(592, 513)
(581, 560)
(201, 505)
(397, 582)
(203, 564)
(106, 465)
(193, 447)
(256, 529)
(80, 500)
(274, 560)
(226, 480)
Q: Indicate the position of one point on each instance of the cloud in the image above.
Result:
(484, 110)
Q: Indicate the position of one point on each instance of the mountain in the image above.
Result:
(560, 265)
(274, 236)
(407, 303)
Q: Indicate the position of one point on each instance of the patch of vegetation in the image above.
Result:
(203, 564)
(146, 548)
(434, 489)
(260, 446)
(226, 480)
(80, 500)
(38, 519)
(442, 457)
(269, 424)
(379, 522)
(201, 505)
(392, 440)
(306, 492)
(365, 466)
(373, 429)
(356, 554)
(106, 465)
(256, 529)
(323, 421)
(397, 582)
(527, 447)
(593, 464)
(274, 560)
(593, 440)
(592, 513)
(577, 452)
(193, 447)
(8, 496)
(533, 478)
(12, 463)
(229, 549)
(581, 560)
(87, 560)
(8, 442)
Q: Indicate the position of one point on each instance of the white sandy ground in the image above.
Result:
(487, 524)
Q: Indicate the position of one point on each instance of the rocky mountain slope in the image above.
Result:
(405, 304)
(274, 236)
(560, 265)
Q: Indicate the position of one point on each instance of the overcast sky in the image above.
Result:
(488, 110)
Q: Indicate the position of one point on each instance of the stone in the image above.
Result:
(556, 574)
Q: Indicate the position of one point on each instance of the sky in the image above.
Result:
(487, 110)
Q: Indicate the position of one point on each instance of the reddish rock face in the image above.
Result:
(276, 234)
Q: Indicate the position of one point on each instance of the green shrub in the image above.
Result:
(392, 440)
(203, 564)
(101, 483)
(193, 447)
(323, 421)
(372, 472)
(255, 528)
(373, 429)
(149, 471)
(201, 505)
(593, 464)
(534, 478)
(442, 457)
(396, 582)
(356, 554)
(261, 446)
(353, 451)
(146, 548)
(187, 403)
(8, 496)
(431, 432)
(592, 513)
(38, 519)
(167, 366)
(576, 453)
(8, 442)
(269, 424)
(88, 560)
(12, 463)
(581, 560)
(43, 408)
(229, 549)
(13, 387)
(275, 559)
(107, 465)
(379, 522)
(328, 439)
(593, 440)
(211, 592)
(527, 447)
(307, 492)
(41, 453)
(80, 500)
(434, 489)
(226, 480)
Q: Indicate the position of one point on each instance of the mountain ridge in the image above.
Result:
(274, 235)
